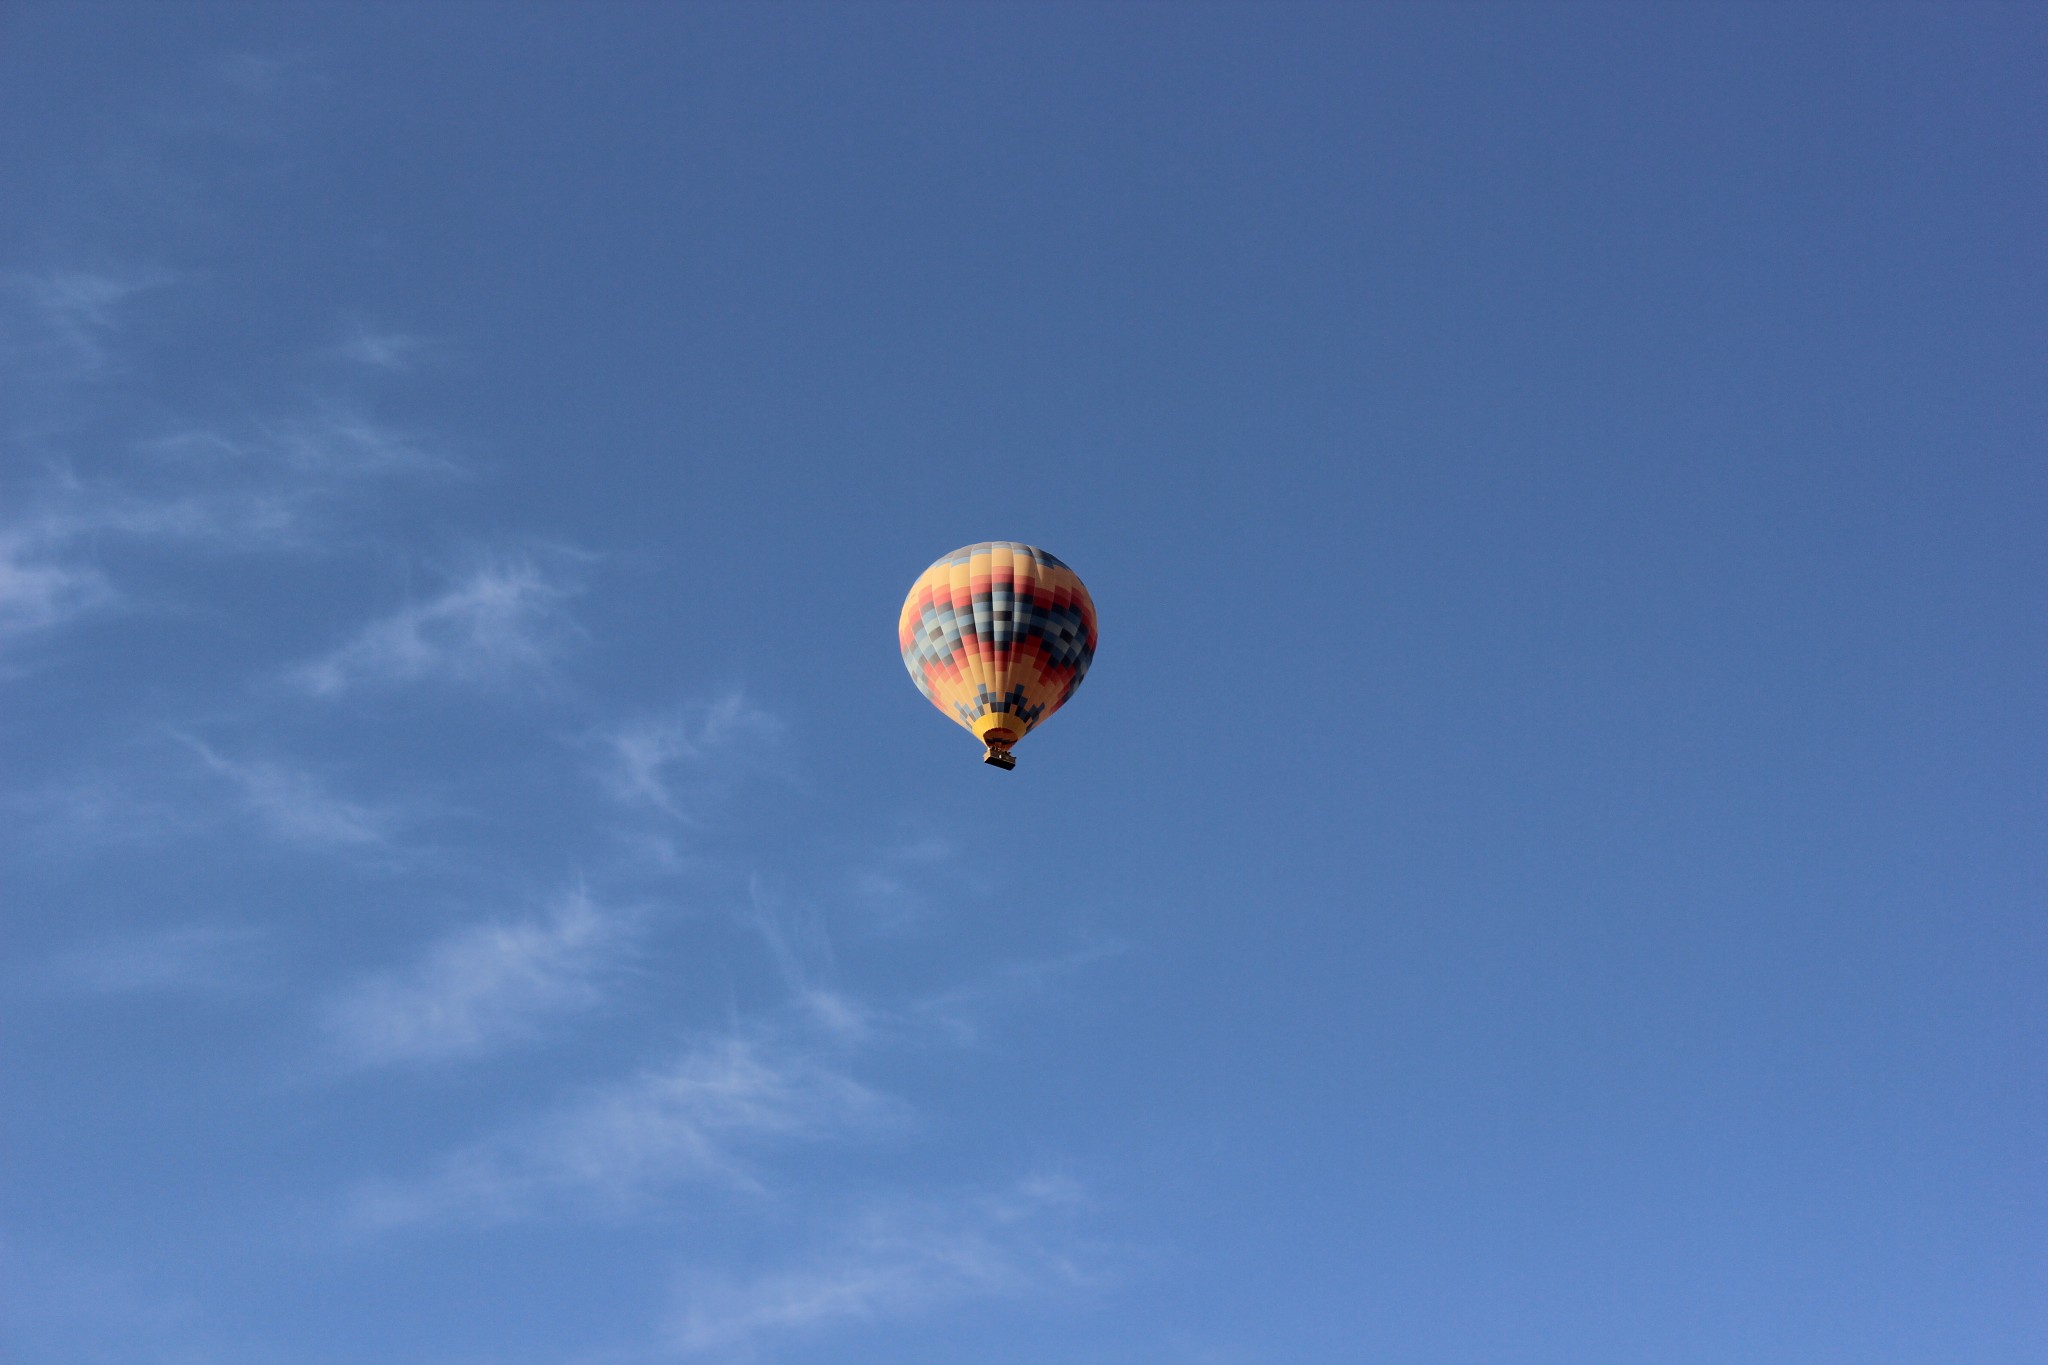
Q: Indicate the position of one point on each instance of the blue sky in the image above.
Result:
(1546, 867)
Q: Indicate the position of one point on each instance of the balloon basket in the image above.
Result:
(999, 758)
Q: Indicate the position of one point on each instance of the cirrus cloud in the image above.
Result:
(895, 1260)
(483, 987)
(615, 1150)
(499, 621)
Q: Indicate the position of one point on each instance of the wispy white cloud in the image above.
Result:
(296, 805)
(88, 484)
(70, 514)
(669, 762)
(250, 98)
(103, 805)
(887, 872)
(900, 883)
(171, 786)
(959, 1013)
(800, 949)
(72, 299)
(187, 958)
(231, 520)
(267, 488)
(379, 349)
(303, 454)
(896, 1261)
(64, 321)
(252, 486)
(483, 987)
(698, 1120)
(500, 621)
(37, 593)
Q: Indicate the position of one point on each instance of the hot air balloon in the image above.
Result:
(997, 635)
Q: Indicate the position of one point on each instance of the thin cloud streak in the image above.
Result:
(895, 1262)
(612, 1152)
(334, 442)
(668, 763)
(218, 489)
(483, 988)
(958, 1014)
(800, 950)
(905, 881)
(295, 805)
(101, 487)
(36, 594)
(65, 325)
(501, 621)
(197, 490)
(395, 352)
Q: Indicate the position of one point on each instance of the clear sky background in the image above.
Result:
(1546, 869)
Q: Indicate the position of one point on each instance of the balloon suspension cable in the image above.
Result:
(999, 755)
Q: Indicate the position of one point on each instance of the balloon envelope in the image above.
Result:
(997, 635)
